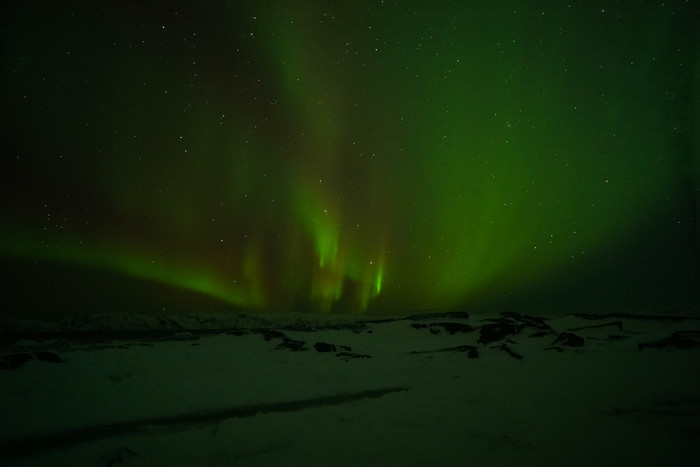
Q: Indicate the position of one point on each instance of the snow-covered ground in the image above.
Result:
(432, 389)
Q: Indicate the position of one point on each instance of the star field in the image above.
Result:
(355, 157)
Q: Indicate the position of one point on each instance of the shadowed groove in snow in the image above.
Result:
(32, 446)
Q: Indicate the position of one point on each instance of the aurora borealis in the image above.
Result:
(366, 156)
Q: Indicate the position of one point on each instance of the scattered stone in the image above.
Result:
(445, 314)
(510, 352)
(617, 324)
(348, 355)
(440, 327)
(291, 344)
(269, 334)
(287, 343)
(677, 340)
(497, 331)
(450, 328)
(569, 339)
(421, 316)
(511, 323)
(356, 327)
(326, 347)
(472, 352)
(527, 320)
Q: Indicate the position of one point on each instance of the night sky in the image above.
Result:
(350, 156)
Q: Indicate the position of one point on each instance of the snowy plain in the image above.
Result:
(295, 389)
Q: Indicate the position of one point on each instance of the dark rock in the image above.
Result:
(48, 357)
(511, 315)
(558, 349)
(356, 327)
(540, 334)
(287, 343)
(349, 355)
(677, 340)
(472, 352)
(497, 331)
(424, 316)
(238, 332)
(567, 338)
(302, 327)
(450, 328)
(269, 334)
(14, 361)
(291, 344)
(324, 347)
(444, 314)
(440, 327)
(527, 320)
(617, 324)
(510, 352)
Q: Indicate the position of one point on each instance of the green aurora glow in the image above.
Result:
(375, 157)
